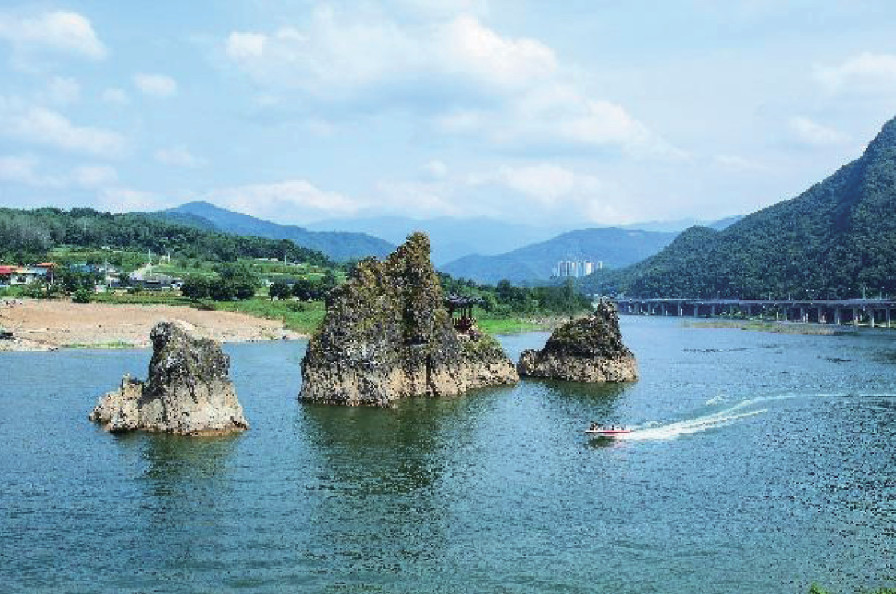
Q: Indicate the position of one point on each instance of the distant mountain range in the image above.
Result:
(339, 246)
(450, 237)
(453, 238)
(680, 225)
(485, 250)
(613, 246)
(833, 240)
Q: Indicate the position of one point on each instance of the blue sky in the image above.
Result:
(574, 113)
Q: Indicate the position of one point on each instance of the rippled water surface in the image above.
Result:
(759, 463)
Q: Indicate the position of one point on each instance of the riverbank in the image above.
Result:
(40, 325)
(772, 326)
(122, 321)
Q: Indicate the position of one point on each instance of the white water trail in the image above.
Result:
(656, 431)
(686, 427)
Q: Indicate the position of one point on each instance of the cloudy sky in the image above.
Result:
(572, 112)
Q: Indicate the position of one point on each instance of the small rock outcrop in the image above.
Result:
(387, 335)
(188, 390)
(589, 349)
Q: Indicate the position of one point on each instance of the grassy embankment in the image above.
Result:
(305, 317)
(518, 323)
(302, 317)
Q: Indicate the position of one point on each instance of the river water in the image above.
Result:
(759, 463)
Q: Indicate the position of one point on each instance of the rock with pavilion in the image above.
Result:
(388, 334)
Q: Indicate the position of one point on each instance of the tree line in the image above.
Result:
(27, 235)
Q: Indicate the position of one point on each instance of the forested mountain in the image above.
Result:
(831, 241)
(613, 246)
(338, 245)
(27, 235)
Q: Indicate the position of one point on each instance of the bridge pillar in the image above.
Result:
(855, 316)
(871, 316)
(712, 311)
(680, 310)
(837, 315)
(803, 317)
(821, 316)
(888, 316)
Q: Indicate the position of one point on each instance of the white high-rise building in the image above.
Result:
(575, 268)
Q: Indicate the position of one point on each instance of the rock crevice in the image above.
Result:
(589, 349)
(188, 390)
(387, 335)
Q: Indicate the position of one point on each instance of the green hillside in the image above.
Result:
(340, 246)
(836, 239)
(29, 235)
(613, 246)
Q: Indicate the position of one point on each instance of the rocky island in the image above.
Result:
(388, 335)
(188, 390)
(589, 349)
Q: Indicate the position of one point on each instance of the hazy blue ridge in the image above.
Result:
(340, 246)
(450, 237)
(836, 239)
(613, 246)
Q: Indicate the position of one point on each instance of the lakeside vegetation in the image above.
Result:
(504, 313)
(266, 278)
(31, 235)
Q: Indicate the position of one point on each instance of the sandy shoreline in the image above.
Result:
(39, 325)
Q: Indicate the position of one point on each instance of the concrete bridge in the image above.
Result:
(873, 312)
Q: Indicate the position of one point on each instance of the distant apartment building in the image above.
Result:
(576, 268)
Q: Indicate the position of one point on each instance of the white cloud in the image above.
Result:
(737, 164)
(560, 116)
(436, 169)
(115, 96)
(39, 125)
(470, 49)
(62, 90)
(94, 176)
(345, 53)
(537, 191)
(21, 170)
(812, 133)
(245, 46)
(25, 170)
(864, 72)
(411, 198)
(508, 90)
(66, 32)
(130, 200)
(296, 200)
(156, 85)
(548, 184)
(320, 127)
(178, 157)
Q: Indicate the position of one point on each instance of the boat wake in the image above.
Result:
(746, 408)
(657, 431)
